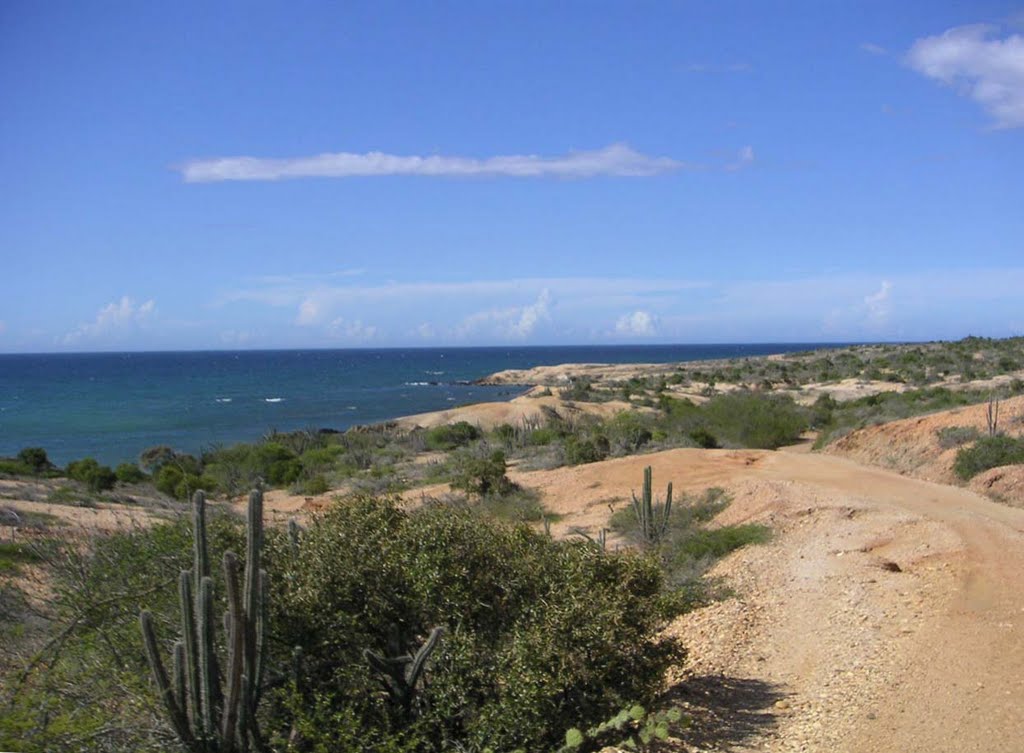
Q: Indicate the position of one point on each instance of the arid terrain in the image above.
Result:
(884, 614)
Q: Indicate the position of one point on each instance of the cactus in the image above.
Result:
(992, 416)
(653, 518)
(400, 674)
(207, 718)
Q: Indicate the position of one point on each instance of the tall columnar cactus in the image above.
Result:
(653, 518)
(992, 416)
(211, 714)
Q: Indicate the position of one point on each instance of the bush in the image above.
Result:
(129, 473)
(589, 450)
(753, 420)
(97, 477)
(988, 452)
(627, 432)
(543, 635)
(35, 459)
(450, 436)
(479, 473)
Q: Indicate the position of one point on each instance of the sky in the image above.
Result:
(197, 175)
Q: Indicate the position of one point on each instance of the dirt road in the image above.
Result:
(886, 615)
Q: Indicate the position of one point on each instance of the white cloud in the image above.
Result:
(879, 304)
(310, 312)
(425, 331)
(615, 159)
(119, 316)
(978, 65)
(744, 158)
(532, 315)
(873, 49)
(510, 322)
(351, 330)
(637, 324)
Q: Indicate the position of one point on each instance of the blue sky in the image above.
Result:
(262, 175)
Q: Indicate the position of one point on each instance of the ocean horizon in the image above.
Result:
(111, 406)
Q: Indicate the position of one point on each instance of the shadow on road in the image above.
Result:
(726, 711)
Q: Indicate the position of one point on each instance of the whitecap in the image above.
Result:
(223, 399)
(272, 399)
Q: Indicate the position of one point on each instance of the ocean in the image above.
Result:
(110, 406)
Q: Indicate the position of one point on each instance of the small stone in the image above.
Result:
(783, 705)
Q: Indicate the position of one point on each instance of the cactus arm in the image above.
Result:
(261, 636)
(202, 561)
(190, 644)
(419, 661)
(209, 682)
(178, 719)
(236, 648)
(253, 598)
(667, 510)
(180, 684)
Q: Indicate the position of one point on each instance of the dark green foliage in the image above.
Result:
(400, 673)
(590, 449)
(449, 436)
(627, 432)
(35, 459)
(988, 452)
(543, 634)
(717, 542)
(153, 459)
(481, 473)
(129, 473)
(97, 477)
(749, 419)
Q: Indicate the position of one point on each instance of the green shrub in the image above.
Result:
(988, 452)
(627, 432)
(35, 459)
(449, 436)
(543, 635)
(479, 473)
(97, 477)
(586, 450)
(717, 542)
(129, 473)
(542, 436)
(749, 419)
(315, 485)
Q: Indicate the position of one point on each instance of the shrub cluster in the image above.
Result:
(542, 635)
(988, 452)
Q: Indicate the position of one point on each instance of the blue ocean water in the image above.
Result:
(112, 405)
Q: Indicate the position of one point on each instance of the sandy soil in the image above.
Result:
(525, 408)
(884, 615)
(911, 447)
